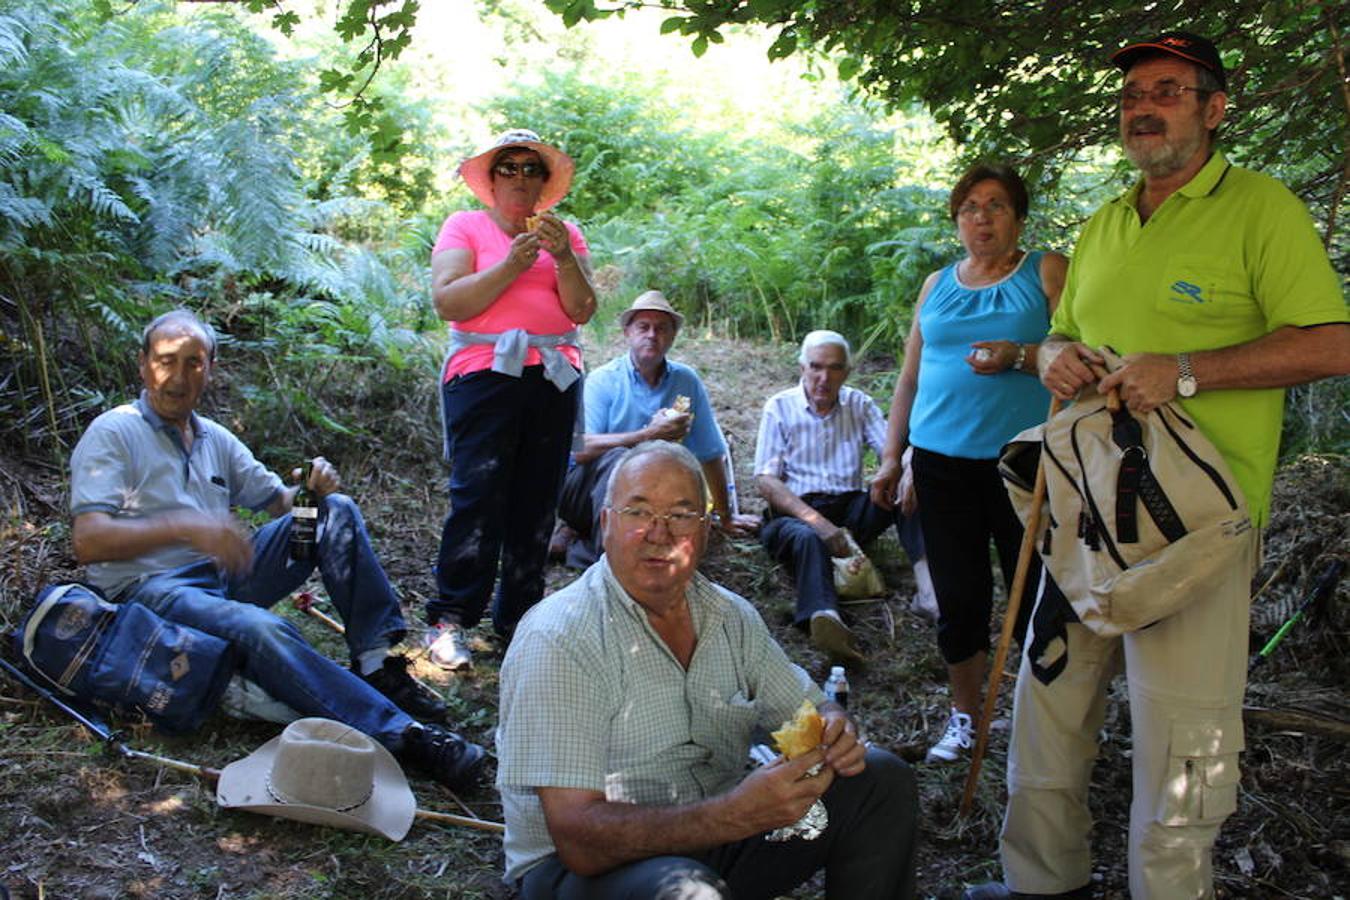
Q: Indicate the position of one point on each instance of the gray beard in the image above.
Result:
(1165, 160)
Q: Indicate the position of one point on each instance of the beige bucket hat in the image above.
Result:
(477, 170)
(651, 300)
(325, 773)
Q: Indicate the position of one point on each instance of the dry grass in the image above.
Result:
(74, 823)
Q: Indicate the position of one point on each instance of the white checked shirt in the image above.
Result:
(813, 453)
(592, 698)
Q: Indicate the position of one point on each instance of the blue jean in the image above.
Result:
(796, 544)
(274, 655)
(509, 440)
(867, 851)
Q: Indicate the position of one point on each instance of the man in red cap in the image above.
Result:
(1212, 283)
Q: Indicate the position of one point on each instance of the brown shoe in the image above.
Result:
(835, 639)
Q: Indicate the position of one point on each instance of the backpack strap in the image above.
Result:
(1135, 483)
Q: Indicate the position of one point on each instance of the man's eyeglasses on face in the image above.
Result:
(993, 209)
(1168, 93)
(681, 523)
(510, 169)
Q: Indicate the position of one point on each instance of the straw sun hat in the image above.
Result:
(477, 170)
(325, 773)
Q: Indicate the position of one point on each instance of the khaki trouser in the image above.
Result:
(1186, 676)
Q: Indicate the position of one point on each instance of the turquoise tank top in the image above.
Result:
(957, 412)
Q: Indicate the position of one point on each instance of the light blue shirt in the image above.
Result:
(132, 465)
(618, 399)
(956, 411)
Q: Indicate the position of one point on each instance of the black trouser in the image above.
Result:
(962, 506)
(867, 851)
(583, 496)
(796, 544)
(509, 439)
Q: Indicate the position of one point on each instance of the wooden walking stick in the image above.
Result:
(1028, 547)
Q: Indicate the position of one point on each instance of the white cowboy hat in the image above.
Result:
(325, 773)
(654, 301)
(477, 170)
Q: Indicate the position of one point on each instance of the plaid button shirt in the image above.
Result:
(592, 698)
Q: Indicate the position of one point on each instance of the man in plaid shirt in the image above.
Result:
(628, 701)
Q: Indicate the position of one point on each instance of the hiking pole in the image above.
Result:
(1028, 547)
(115, 746)
(1323, 587)
(112, 740)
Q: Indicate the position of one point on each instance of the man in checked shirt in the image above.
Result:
(808, 467)
(628, 701)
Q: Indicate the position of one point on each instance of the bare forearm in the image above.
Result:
(897, 421)
(575, 290)
(617, 833)
(715, 473)
(597, 445)
(100, 537)
(782, 501)
(1285, 357)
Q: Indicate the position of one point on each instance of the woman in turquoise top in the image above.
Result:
(967, 385)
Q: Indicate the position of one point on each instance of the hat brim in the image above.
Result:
(477, 174)
(388, 812)
(627, 315)
(1126, 57)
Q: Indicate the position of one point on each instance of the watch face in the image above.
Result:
(1186, 386)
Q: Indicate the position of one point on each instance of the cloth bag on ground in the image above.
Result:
(1140, 511)
(854, 575)
(124, 656)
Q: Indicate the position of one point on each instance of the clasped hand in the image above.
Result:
(1144, 381)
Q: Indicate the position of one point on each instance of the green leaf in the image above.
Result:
(674, 23)
(700, 45)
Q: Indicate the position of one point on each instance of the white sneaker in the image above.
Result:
(447, 648)
(958, 739)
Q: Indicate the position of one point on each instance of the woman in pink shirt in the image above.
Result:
(514, 282)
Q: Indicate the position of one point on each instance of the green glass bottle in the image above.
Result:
(304, 519)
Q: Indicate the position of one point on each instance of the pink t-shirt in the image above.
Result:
(531, 302)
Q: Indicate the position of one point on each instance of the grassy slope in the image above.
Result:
(73, 823)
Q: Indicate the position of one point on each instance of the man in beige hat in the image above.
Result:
(643, 396)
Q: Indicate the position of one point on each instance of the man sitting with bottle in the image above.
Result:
(152, 488)
(628, 703)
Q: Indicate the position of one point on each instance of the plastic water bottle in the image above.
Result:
(836, 687)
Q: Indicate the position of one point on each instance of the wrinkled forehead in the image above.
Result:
(826, 355)
(177, 336)
(1162, 67)
(652, 318)
(658, 481)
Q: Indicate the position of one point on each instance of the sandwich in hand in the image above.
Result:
(801, 735)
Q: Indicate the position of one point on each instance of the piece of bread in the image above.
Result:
(681, 404)
(802, 734)
(532, 224)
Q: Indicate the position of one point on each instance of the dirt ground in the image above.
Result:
(75, 822)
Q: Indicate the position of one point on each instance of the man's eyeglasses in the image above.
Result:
(1166, 94)
(510, 169)
(994, 209)
(681, 523)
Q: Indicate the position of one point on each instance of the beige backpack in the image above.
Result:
(1140, 510)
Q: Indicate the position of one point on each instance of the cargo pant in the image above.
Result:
(1186, 676)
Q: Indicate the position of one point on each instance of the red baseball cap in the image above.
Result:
(1182, 44)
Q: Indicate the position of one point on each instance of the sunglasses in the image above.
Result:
(508, 169)
(1168, 93)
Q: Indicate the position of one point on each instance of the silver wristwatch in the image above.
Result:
(1186, 386)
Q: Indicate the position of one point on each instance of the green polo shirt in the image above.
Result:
(1228, 258)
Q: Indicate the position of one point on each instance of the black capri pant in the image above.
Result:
(962, 506)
